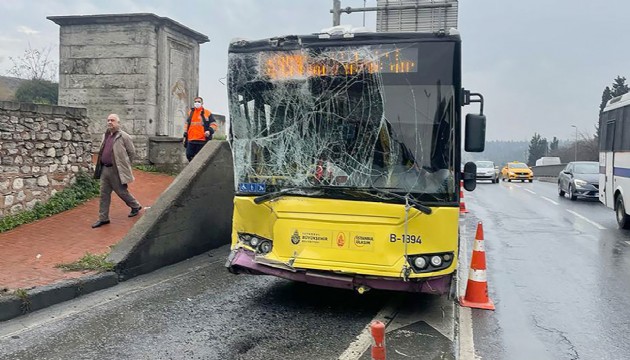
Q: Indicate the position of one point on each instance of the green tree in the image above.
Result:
(538, 147)
(606, 95)
(38, 91)
(36, 66)
(619, 86)
(555, 143)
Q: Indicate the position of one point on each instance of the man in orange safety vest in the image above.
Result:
(200, 126)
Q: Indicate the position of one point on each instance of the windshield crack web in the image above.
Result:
(305, 118)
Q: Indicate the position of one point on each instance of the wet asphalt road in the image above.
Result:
(558, 272)
(197, 310)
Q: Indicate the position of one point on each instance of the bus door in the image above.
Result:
(609, 187)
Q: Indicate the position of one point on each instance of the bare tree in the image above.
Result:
(587, 149)
(35, 64)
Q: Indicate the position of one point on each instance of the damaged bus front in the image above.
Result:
(346, 156)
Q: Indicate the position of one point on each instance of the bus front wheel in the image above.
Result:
(623, 220)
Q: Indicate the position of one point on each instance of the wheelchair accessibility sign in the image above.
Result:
(256, 188)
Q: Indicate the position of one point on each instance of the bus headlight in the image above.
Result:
(430, 262)
(436, 261)
(265, 247)
(420, 262)
(259, 244)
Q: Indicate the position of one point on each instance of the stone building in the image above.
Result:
(143, 67)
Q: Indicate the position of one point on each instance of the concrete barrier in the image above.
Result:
(193, 215)
(548, 170)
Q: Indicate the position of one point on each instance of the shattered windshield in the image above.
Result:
(344, 118)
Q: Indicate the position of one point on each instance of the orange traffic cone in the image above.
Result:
(377, 329)
(477, 288)
(462, 204)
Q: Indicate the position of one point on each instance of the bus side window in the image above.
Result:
(619, 129)
(610, 132)
(625, 137)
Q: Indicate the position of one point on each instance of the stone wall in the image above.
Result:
(42, 148)
(167, 154)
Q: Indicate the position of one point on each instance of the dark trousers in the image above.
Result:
(192, 149)
(110, 181)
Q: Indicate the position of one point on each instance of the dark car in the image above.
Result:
(579, 179)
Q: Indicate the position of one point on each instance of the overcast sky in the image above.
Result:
(541, 65)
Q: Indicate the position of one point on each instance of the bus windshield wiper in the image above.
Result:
(310, 191)
(413, 202)
(305, 191)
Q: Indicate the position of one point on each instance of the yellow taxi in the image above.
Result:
(517, 170)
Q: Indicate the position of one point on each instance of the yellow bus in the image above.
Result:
(347, 149)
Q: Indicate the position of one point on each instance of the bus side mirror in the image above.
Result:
(475, 133)
(470, 176)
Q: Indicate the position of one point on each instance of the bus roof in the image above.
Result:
(327, 39)
(617, 102)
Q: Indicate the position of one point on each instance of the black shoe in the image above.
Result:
(134, 211)
(100, 223)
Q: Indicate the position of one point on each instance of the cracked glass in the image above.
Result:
(350, 120)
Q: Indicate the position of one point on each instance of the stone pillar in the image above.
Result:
(143, 67)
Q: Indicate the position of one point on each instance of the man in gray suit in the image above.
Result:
(114, 169)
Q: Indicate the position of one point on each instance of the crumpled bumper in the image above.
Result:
(242, 261)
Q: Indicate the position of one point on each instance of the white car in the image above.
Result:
(486, 170)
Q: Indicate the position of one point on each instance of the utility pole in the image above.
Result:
(364, 1)
(337, 10)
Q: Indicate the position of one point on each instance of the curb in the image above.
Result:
(41, 297)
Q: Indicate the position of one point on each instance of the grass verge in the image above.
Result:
(22, 294)
(82, 190)
(154, 169)
(147, 168)
(88, 262)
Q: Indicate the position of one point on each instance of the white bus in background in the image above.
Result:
(614, 158)
(548, 160)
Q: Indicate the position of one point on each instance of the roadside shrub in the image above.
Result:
(38, 91)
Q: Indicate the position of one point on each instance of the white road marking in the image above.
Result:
(364, 340)
(529, 191)
(587, 220)
(516, 185)
(466, 344)
(466, 340)
(627, 242)
(548, 199)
